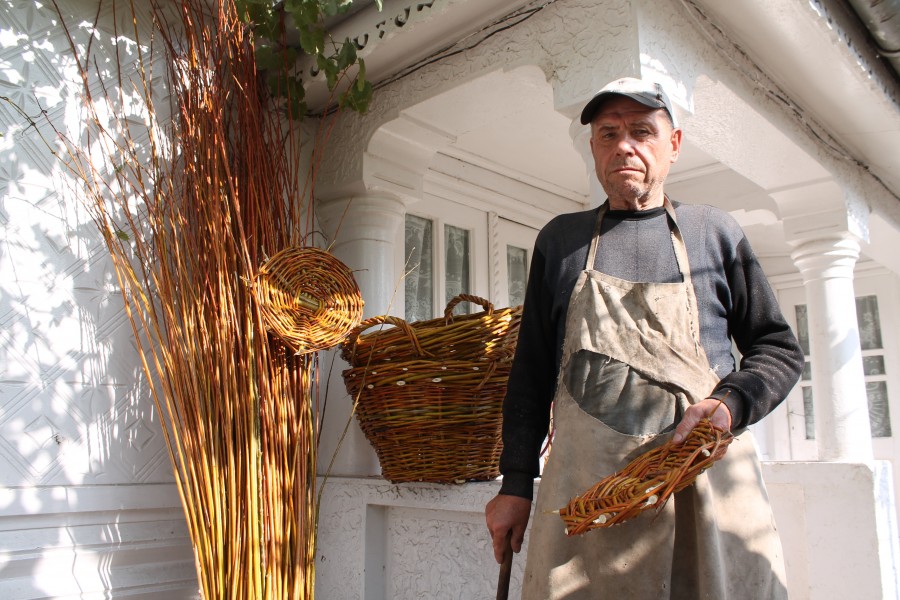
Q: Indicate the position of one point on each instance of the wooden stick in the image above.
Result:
(505, 569)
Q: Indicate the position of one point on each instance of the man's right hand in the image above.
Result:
(504, 514)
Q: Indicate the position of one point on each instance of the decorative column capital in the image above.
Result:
(827, 258)
(370, 217)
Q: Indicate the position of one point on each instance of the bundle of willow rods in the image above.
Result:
(189, 211)
(646, 482)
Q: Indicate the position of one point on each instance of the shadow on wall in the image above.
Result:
(87, 498)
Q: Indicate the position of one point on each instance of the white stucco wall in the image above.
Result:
(87, 502)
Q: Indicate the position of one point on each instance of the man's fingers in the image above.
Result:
(684, 428)
(518, 539)
(499, 542)
(505, 514)
(690, 420)
(716, 411)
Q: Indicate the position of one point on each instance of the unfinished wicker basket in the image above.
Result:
(429, 394)
(308, 298)
(647, 482)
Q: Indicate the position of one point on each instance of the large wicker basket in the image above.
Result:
(429, 394)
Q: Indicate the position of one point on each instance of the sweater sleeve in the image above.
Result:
(771, 357)
(526, 407)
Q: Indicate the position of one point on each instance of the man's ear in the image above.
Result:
(676, 143)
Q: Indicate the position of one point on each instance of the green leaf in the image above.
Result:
(361, 76)
(328, 65)
(358, 99)
(330, 8)
(312, 40)
(304, 12)
(122, 235)
(296, 94)
(264, 20)
(276, 83)
(298, 109)
(347, 55)
(267, 59)
(295, 88)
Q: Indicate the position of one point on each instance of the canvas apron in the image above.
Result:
(631, 364)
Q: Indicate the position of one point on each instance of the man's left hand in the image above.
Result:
(718, 413)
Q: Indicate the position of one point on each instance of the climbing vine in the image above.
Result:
(284, 31)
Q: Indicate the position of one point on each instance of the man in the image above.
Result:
(627, 330)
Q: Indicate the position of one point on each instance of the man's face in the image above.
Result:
(633, 147)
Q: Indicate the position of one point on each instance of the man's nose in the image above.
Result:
(625, 145)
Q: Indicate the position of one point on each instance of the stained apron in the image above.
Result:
(632, 362)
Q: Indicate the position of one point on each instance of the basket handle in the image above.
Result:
(353, 336)
(448, 312)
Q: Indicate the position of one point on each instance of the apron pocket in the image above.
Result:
(618, 395)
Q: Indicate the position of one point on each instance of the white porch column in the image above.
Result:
(841, 407)
(364, 229)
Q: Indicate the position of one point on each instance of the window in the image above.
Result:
(512, 271)
(516, 274)
(454, 249)
(456, 266)
(426, 280)
(871, 343)
(419, 286)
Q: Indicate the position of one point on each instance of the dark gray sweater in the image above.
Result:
(734, 298)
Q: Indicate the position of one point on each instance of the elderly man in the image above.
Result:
(627, 332)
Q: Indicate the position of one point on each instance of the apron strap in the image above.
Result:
(595, 239)
(678, 244)
(684, 266)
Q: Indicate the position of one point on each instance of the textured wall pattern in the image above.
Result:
(380, 541)
(72, 407)
(73, 412)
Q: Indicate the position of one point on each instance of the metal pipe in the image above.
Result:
(882, 19)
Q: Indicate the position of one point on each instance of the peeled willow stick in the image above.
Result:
(646, 482)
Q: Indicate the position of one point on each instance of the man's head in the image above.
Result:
(647, 93)
(633, 140)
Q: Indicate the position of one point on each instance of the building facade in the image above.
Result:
(471, 144)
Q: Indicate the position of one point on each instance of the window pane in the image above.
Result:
(873, 365)
(808, 413)
(457, 266)
(869, 322)
(802, 327)
(419, 292)
(517, 274)
(806, 374)
(879, 412)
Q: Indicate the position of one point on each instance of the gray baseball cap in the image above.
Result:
(647, 93)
